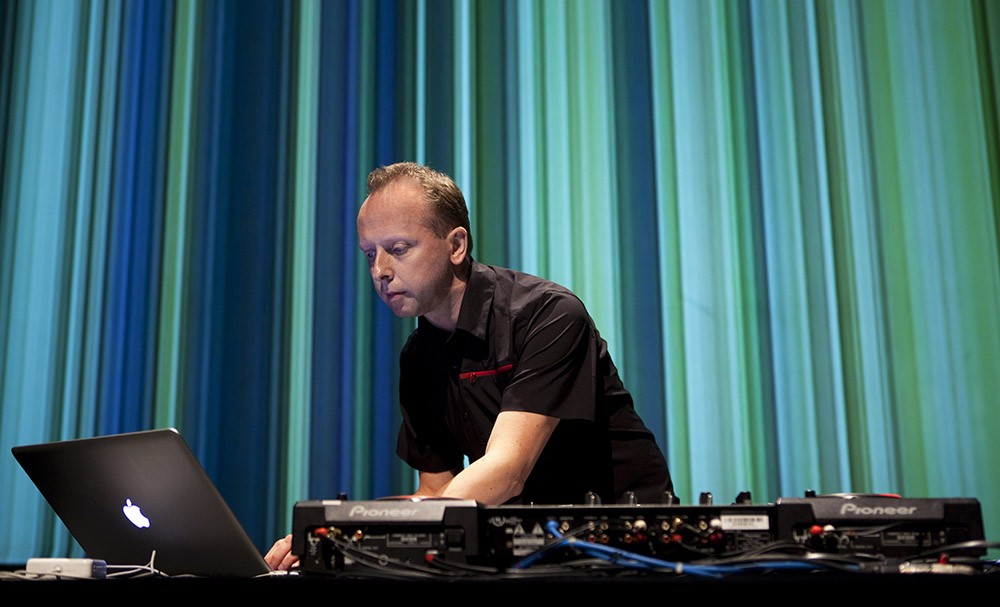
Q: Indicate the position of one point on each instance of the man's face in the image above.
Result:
(410, 266)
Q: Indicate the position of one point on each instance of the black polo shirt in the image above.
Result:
(523, 343)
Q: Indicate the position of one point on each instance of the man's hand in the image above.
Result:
(280, 557)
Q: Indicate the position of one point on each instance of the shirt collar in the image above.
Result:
(474, 315)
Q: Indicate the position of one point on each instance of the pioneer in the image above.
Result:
(877, 510)
(363, 512)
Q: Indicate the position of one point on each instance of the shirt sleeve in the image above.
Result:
(556, 372)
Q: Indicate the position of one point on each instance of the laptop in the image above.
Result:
(142, 498)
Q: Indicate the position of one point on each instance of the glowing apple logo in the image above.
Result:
(134, 514)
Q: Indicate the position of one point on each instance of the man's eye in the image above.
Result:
(398, 250)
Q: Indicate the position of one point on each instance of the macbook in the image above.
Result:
(142, 499)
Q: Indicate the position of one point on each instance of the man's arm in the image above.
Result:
(516, 441)
(433, 484)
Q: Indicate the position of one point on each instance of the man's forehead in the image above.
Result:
(385, 216)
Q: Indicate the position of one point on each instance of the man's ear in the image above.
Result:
(458, 238)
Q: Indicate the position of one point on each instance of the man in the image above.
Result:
(504, 368)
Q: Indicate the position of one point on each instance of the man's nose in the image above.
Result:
(382, 266)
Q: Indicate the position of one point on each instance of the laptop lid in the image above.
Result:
(124, 496)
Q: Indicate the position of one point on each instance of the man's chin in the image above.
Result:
(402, 311)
